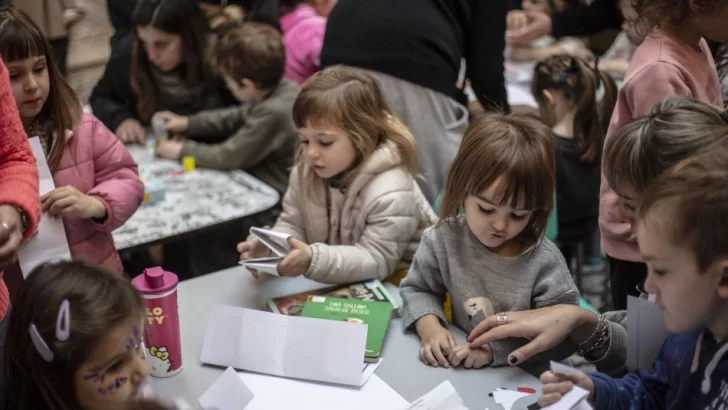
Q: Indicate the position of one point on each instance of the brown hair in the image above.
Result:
(350, 100)
(675, 128)
(250, 50)
(99, 301)
(578, 83)
(182, 17)
(515, 149)
(655, 12)
(690, 203)
(20, 39)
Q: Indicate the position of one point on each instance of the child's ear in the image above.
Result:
(549, 97)
(247, 83)
(722, 266)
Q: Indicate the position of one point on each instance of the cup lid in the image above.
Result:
(155, 280)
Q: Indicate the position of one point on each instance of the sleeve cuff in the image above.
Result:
(313, 273)
(104, 225)
(409, 322)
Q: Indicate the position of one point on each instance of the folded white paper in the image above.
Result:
(277, 393)
(278, 244)
(289, 346)
(560, 368)
(646, 333)
(442, 397)
(229, 392)
(508, 398)
(573, 400)
(49, 243)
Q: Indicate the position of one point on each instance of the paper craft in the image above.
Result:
(646, 333)
(442, 397)
(288, 346)
(229, 392)
(507, 398)
(573, 400)
(278, 244)
(49, 242)
(560, 368)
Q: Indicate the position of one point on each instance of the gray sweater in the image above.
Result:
(452, 260)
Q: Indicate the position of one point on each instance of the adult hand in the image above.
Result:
(298, 259)
(469, 357)
(555, 386)
(545, 328)
(11, 234)
(131, 131)
(68, 200)
(516, 20)
(170, 149)
(173, 123)
(436, 342)
(538, 25)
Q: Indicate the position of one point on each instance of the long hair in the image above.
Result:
(578, 83)
(182, 17)
(350, 100)
(518, 152)
(99, 301)
(20, 39)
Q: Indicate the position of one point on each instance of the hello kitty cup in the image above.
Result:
(163, 346)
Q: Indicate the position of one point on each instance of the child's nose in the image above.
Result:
(140, 369)
(311, 151)
(650, 284)
(31, 84)
(500, 223)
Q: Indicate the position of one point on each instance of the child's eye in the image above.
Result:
(518, 217)
(326, 144)
(116, 366)
(14, 76)
(659, 272)
(486, 211)
(39, 69)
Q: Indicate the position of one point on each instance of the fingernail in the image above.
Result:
(512, 359)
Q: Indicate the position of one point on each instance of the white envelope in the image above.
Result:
(278, 244)
(288, 346)
(646, 333)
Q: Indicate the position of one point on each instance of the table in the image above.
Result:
(194, 201)
(401, 367)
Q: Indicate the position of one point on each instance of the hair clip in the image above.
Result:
(565, 74)
(62, 333)
(724, 116)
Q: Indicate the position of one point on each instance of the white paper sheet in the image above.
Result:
(573, 400)
(369, 369)
(518, 95)
(442, 397)
(229, 392)
(507, 398)
(277, 393)
(288, 346)
(560, 368)
(646, 332)
(49, 242)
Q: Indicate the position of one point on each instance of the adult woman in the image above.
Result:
(164, 70)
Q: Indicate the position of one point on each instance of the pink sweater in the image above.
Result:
(303, 36)
(96, 163)
(662, 66)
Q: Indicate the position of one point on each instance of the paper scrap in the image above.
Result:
(573, 400)
(646, 333)
(229, 392)
(563, 369)
(507, 398)
(277, 393)
(369, 369)
(289, 346)
(442, 397)
(49, 243)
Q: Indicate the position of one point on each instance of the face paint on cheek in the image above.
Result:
(114, 387)
(95, 375)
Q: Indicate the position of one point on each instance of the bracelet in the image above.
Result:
(596, 340)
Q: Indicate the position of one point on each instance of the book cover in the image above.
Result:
(371, 290)
(375, 315)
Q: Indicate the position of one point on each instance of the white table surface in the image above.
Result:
(401, 367)
(194, 200)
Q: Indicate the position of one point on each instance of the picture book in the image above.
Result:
(375, 315)
(371, 290)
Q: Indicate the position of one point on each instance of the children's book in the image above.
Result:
(371, 290)
(375, 315)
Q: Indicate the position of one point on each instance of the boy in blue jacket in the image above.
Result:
(682, 223)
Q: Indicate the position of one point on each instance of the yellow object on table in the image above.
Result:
(188, 163)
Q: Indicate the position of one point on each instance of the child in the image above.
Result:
(97, 186)
(353, 196)
(674, 59)
(261, 138)
(576, 101)
(547, 46)
(616, 60)
(303, 24)
(682, 222)
(74, 340)
(494, 257)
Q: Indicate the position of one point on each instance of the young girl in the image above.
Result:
(165, 70)
(494, 257)
(616, 60)
(576, 101)
(353, 206)
(674, 59)
(97, 186)
(75, 341)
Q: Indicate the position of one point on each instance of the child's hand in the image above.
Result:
(298, 259)
(170, 149)
(556, 385)
(516, 19)
(436, 342)
(131, 131)
(253, 248)
(68, 200)
(173, 123)
(471, 358)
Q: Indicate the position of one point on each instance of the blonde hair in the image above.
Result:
(676, 128)
(690, 204)
(518, 152)
(350, 100)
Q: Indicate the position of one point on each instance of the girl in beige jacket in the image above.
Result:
(353, 206)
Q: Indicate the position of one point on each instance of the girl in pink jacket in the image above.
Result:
(97, 185)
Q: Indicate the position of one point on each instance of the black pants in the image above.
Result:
(625, 277)
(60, 53)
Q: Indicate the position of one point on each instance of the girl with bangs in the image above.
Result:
(493, 257)
(97, 185)
(353, 207)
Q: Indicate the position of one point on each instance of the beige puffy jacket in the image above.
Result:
(374, 226)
